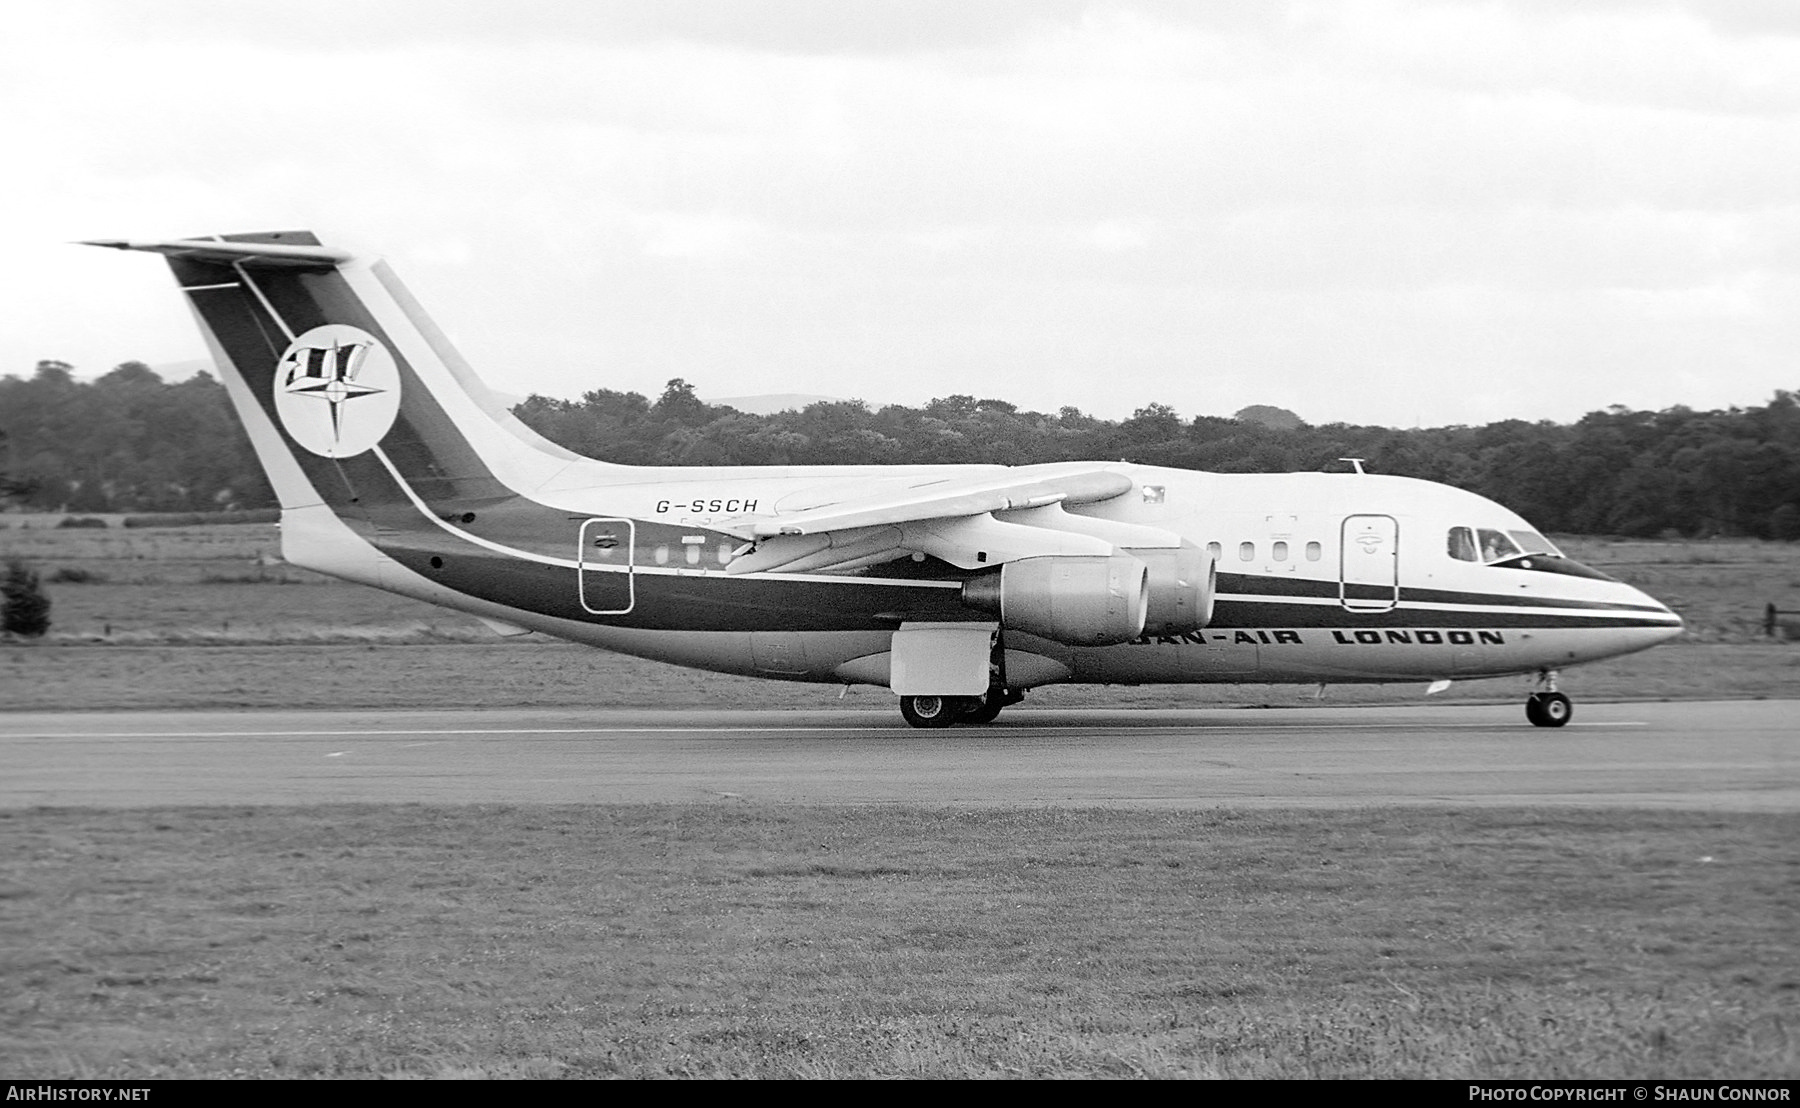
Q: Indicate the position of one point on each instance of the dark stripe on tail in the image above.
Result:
(424, 444)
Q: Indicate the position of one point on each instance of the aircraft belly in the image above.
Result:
(1326, 656)
(779, 653)
(810, 656)
(863, 657)
(1161, 661)
(1354, 653)
(1556, 648)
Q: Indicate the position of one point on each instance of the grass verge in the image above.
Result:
(742, 941)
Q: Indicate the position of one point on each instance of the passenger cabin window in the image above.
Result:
(1279, 553)
(1314, 552)
(1215, 550)
(1246, 551)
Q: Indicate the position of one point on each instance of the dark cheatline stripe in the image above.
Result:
(1238, 614)
(1249, 584)
(667, 601)
(1511, 600)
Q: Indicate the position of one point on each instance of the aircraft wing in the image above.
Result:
(940, 498)
(948, 518)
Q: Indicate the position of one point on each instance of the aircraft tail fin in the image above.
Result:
(352, 397)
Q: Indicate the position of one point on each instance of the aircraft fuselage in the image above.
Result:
(1298, 598)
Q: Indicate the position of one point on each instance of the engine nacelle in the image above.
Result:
(1183, 581)
(1080, 600)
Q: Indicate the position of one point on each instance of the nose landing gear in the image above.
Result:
(1546, 707)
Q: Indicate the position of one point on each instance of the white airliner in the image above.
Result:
(957, 587)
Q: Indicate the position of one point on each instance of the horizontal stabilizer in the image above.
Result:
(262, 255)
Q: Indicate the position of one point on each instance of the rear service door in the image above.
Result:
(605, 574)
(1369, 565)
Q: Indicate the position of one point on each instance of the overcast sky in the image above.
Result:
(1395, 213)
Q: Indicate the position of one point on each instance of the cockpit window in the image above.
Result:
(1534, 543)
(1497, 546)
(1522, 549)
(1489, 545)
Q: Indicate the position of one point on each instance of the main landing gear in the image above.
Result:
(947, 711)
(1546, 707)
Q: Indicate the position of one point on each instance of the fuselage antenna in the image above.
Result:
(1356, 462)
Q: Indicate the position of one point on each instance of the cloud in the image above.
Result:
(772, 26)
(1101, 204)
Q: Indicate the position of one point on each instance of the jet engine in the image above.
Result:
(1080, 600)
(1182, 585)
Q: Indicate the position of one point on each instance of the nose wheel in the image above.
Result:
(1547, 707)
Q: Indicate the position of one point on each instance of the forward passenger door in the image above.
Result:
(1369, 563)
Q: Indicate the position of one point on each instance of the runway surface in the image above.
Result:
(1739, 755)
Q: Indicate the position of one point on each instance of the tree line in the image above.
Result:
(127, 442)
(131, 442)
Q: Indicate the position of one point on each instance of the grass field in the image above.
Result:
(744, 941)
(738, 940)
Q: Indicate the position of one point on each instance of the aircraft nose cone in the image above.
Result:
(1674, 623)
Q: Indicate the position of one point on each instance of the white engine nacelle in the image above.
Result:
(1080, 600)
(1183, 580)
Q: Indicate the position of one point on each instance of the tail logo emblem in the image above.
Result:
(337, 390)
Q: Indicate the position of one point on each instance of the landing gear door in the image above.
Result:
(1369, 564)
(604, 575)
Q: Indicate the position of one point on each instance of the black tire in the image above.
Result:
(1549, 709)
(986, 710)
(933, 711)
